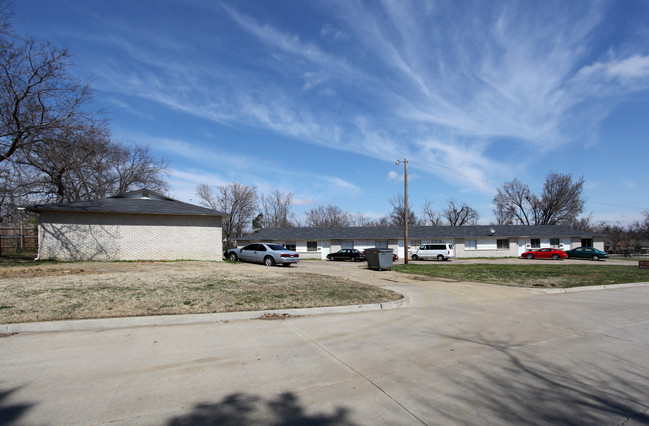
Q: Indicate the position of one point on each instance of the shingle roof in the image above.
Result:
(415, 232)
(135, 202)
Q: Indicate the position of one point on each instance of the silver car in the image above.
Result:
(267, 253)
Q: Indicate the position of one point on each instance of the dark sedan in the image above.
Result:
(347, 254)
(587, 253)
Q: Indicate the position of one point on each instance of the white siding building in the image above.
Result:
(468, 241)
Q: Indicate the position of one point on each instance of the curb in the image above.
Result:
(586, 288)
(159, 320)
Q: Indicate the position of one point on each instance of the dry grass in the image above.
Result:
(103, 290)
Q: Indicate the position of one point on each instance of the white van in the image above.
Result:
(434, 251)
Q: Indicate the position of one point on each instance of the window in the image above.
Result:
(586, 242)
(381, 244)
(290, 246)
(536, 242)
(470, 244)
(311, 246)
(554, 243)
(502, 244)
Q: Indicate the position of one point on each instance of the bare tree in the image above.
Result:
(617, 237)
(82, 163)
(359, 219)
(238, 200)
(458, 215)
(581, 223)
(512, 203)
(37, 94)
(640, 228)
(431, 217)
(397, 215)
(135, 167)
(502, 217)
(6, 14)
(276, 208)
(50, 148)
(561, 201)
(327, 217)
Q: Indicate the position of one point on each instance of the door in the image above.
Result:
(247, 252)
(326, 249)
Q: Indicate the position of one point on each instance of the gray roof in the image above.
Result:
(134, 202)
(415, 232)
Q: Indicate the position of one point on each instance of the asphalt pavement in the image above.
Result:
(451, 353)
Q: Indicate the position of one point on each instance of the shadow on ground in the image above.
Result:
(241, 408)
(11, 413)
(572, 388)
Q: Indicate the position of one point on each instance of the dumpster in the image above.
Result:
(379, 258)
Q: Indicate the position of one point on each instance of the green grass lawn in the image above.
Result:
(551, 276)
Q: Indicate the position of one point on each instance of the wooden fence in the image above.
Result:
(18, 238)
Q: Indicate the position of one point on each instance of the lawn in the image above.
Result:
(60, 290)
(557, 275)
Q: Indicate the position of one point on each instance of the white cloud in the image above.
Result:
(627, 71)
(394, 176)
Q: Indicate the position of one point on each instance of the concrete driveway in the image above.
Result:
(456, 353)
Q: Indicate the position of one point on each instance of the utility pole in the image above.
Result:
(405, 208)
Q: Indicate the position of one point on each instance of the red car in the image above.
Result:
(545, 253)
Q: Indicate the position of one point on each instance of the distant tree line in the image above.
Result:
(53, 148)
(561, 202)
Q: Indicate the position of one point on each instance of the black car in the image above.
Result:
(347, 254)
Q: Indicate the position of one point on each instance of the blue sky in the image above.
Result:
(320, 98)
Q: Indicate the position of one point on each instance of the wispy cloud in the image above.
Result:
(428, 81)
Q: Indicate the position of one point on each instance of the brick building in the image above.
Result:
(138, 225)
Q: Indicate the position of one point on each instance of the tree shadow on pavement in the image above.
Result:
(11, 413)
(241, 408)
(517, 385)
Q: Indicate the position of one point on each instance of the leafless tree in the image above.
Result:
(38, 95)
(502, 217)
(359, 219)
(51, 149)
(640, 228)
(397, 215)
(82, 163)
(277, 209)
(6, 14)
(617, 237)
(512, 203)
(431, 217)
(458, 215)
(327, 217)
(561, 201)
(136, 167)
(581, 223)
(238, 200)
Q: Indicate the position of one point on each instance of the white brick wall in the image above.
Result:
(96, 236)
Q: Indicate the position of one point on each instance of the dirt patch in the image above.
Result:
(104, 290)
(22, 272)
(273, 316)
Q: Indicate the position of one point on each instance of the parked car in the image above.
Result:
(347, 254)
(434, 251)
(545, 253)
(587, 253)
(394, 257)
(266, 253)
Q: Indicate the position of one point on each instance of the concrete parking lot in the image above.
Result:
(455, 353)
